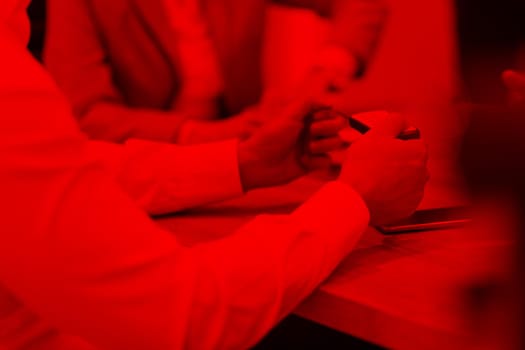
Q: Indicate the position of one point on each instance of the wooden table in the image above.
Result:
(404, 291)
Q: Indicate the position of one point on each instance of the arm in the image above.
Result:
(77, 59)
(81, 255)
(355, 24)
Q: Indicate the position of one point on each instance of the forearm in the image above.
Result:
(117, 123)
(165, 178)
(233, 127)
(121, 283)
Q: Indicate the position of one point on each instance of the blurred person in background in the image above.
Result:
(204, 174)
(492, 159)
(171, 70)
(82, 267)
(492, 42)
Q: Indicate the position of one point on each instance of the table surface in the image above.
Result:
(404, 291)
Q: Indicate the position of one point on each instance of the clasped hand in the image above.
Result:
(295, 138)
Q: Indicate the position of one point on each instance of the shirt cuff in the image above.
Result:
(216, 168)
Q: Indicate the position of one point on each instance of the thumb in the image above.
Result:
(391, 126)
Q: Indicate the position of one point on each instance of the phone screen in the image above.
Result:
(429, 219)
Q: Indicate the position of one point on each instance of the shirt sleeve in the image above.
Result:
(76, 250)
(78, 59)
(100, 269)
(165, 178)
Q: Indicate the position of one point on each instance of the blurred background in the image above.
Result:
(37, 13)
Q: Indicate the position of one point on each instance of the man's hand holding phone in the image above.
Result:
(390, 174)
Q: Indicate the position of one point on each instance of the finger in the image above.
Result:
(327, 145)
(389, 127)
(419, 148)
(322, 112)
(329, 127)
(372, 118)
(325, 112)
(415, 149)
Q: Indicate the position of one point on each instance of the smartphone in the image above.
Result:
(429, 219)
(412, 133)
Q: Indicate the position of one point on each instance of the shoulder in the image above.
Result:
(18, 68)
(29, 98)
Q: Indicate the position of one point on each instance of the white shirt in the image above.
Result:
(82, 266)
(202, 82)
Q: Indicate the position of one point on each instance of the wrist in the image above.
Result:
(249, 168)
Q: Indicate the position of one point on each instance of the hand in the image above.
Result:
(359, 24)
(292, 141)
(515, 83)
(237, 126)
(389, 174)
(336, 68)
(325, 130)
